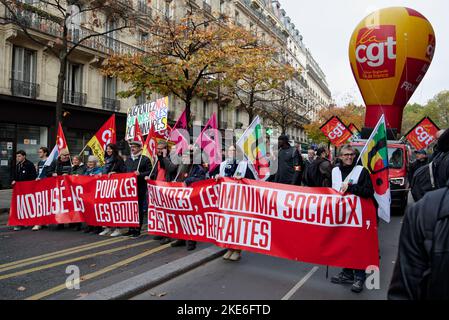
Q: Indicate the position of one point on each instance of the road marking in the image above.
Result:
(92, 275)
(55, 264)
(299, 284)
(57, 254)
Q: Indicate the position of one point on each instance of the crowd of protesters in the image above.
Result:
(316, 170)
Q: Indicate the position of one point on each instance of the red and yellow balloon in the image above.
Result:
(390, 52)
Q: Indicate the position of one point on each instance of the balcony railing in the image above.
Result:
(102, 43)
(24, 89)
(144, 8)
(255, 8)
(77, 98)
(207, 7)
(110, 104)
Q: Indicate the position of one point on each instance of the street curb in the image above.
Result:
(141, 283)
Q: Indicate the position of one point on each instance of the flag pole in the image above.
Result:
(83, 149)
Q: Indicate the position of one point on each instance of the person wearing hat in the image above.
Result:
(421, 160)
(290, 163)
(141, 166)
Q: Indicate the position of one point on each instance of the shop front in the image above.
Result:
(27, 124)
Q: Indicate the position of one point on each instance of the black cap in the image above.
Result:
(421, 152)
(284, 137)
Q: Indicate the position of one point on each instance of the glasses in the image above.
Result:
(348, 155)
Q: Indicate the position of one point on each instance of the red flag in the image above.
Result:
(60, 140)
(102, 138)
(336, 131)
(423, 134)
(209, 142)
(150, 145)
(137, 134)
(182, 121)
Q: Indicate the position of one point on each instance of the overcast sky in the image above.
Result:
(327, 26)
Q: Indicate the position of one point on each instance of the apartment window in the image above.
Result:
(169, 9)
(74, 22)
(141, 99)
(205, 111)
(110, 101)
(74, 84)
(24, 73)
(143, 38)
(109, 87)
(111, 35)
(222, 7)
(237, 17)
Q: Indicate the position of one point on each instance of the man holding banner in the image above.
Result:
(141, 166)
(354, 179)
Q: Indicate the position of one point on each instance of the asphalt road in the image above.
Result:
(33, 264)
(261, 277)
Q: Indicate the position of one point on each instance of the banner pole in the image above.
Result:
(154, 166)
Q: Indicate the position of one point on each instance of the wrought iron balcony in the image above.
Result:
(24, 89)
(102, 43)
(144, 8)
(77, 98)
(111, 104)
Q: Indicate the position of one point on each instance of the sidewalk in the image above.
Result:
(5, 201)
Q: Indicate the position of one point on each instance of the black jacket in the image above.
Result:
(190, 173)
(144, 170)
(364, 187)
(422, 265)
(114, 164)
(168, 165)
(288, 160)
(415, 166)
(60, 167)
(25, 171)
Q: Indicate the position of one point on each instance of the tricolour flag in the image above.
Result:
(252, 144)
(102, 138)
(374, 157)
(209, 142)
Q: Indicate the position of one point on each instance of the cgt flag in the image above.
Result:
(102, 138)
(423, 134)
(60, 140)
(336, 131)
(374, 157)
(252, 144)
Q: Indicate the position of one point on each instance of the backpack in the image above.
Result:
(427, 177)
(313, 176)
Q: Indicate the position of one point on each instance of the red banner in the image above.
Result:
(336, 131)
(314, 225)
(98, 201)
(423, 134)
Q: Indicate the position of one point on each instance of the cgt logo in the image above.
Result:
(375, 52)
(423, 136)
(337, 132)
(106, 138)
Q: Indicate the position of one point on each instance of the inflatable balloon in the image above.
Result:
(390, 52)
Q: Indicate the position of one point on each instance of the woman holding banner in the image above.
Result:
(231, 167)
(113, 163)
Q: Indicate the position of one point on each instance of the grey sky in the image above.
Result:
(327, 26)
